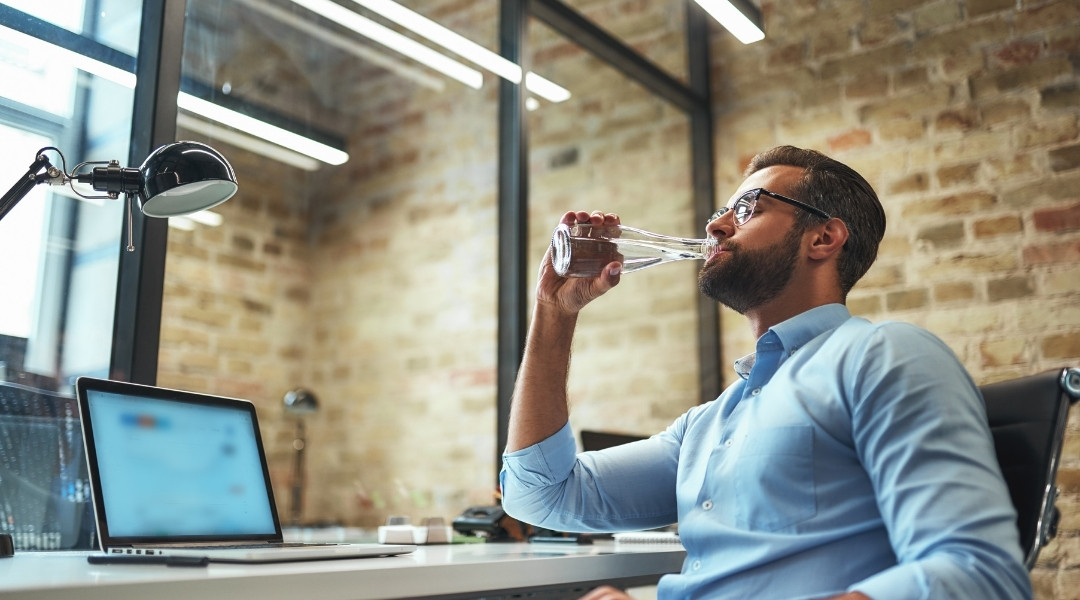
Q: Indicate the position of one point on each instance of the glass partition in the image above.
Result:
(615, 146)
(66, 83)
(357, 259)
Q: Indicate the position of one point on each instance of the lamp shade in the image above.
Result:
(300, 402)
(184, 177)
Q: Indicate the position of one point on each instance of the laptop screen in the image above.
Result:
(169, 468)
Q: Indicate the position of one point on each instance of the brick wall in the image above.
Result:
(963, 115)
(377, 288)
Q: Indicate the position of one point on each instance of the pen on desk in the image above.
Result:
(141, 559)
(573, 539)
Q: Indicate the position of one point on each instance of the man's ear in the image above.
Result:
(828, 239)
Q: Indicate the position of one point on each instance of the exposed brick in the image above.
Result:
(916, 182)
(977, 8)
(786, 56)
(885, 7)
(913, 77)
(935, 15)
(882, 275)
(1057, 220)
(906, 106)
(1061, 346)
(953, 291)
(879, 30)
(960, 40)
(864, 305)
(1063, 96)
(960, 204)
(1015, 166)
(1046, 133)
(1047, 16)
(1063, 159)
(829, 42)
(907, 299)
(1007, 225)
(968, 264)
(957, 119)
(872, 84)
(1000, 353)
(957, 174)
(1065, 40)
(1009, 288)
(1038, 73)
(855, 138)
(1020, 52)
(1005, 111)
(947, 235)
(878, 58)
(902, 129)
(1062, 187)
(1060, 252)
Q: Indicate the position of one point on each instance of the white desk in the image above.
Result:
(447, 572)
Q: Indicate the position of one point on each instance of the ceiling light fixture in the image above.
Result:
(347, 44)
(395, 41)
(465, 48)
(289, 141)
(739, 17)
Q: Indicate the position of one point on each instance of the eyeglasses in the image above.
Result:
(744, 206)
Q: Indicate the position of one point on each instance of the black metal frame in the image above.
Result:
(513, 176)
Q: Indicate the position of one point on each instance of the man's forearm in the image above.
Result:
(538, 408)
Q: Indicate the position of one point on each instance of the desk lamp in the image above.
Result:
(176, 179)
(299, 402)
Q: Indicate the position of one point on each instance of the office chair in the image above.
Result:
(1027, 419)
(44, 489)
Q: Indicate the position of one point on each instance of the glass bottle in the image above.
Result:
(583, 250)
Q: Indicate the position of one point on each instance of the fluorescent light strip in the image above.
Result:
(349, 45)
(266, 131)
(248, 142)
(209, 110)
(733, 20)
(395, 41)
(207, 217)
(465, 48)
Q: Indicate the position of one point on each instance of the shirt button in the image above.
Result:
(707, 505)
(728, 443)
(697, 565)
(755, 392)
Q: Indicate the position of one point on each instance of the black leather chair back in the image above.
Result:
(1027, 419)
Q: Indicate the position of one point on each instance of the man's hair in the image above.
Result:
(840, 191)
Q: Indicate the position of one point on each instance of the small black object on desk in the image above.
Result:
(147, 559)
(7, 546)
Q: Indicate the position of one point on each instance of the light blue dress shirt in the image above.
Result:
(851, 456)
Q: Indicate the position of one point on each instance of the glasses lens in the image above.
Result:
(744, 208)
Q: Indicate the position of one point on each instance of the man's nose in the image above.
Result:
(721, 227)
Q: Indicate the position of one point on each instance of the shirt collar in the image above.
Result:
(795, 332)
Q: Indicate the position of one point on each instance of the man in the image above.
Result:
(849, 460)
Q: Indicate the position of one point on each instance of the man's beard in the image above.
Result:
(746, 279)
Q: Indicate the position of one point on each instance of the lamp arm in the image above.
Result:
(26, 183)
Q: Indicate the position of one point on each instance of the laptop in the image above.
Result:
(182, 474)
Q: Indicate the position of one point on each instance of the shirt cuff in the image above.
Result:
(543, 463)
(902, 582)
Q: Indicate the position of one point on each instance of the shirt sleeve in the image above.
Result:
(624, 488)
(921, 432)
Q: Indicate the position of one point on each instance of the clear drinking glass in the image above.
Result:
(583, 250)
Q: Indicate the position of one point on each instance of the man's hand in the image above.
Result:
(568, 295)
(606, 593)
(610, 593)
